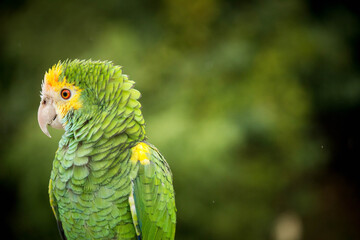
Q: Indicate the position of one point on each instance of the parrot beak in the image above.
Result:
(47, 116)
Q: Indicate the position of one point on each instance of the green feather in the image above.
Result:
(80, 172)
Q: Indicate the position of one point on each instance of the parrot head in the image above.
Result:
(58, 96)
(74, 92)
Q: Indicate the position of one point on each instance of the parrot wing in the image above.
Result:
(54, 207)
(154, 198)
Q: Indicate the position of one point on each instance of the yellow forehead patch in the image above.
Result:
(51, 79)
(52, 83)
(140, 153)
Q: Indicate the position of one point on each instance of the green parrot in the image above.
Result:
(107, 182)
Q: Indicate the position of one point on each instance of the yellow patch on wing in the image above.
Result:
(52, 83)
(52, 203)
(140, 153)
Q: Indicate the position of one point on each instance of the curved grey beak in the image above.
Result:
(47, 116)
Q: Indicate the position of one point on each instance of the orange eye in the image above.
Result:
(65, 93)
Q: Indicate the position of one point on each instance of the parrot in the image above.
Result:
(107, 181)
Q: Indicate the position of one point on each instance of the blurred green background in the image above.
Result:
(253, 103)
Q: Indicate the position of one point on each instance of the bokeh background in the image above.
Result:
(254, 104)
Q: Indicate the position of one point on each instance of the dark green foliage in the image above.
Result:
(231, 90)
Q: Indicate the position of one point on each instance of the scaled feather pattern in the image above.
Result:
(107, 181)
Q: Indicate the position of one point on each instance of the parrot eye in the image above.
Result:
(65, 93)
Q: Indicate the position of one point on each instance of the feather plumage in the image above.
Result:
(98, 166)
